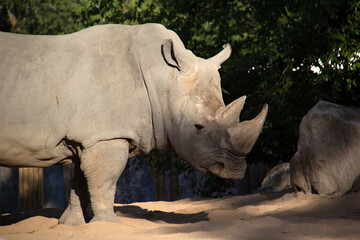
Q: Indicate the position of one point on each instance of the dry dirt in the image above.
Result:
(283, 215)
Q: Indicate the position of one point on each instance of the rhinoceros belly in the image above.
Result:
(13, 154)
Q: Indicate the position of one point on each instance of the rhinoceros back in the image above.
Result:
(60, 93)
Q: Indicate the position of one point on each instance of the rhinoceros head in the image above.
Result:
(204, 131)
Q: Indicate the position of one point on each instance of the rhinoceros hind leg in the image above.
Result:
(79, 200)
(102, 165)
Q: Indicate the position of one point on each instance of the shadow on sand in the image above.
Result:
(9, 219)
(168, 217)
(121, 211)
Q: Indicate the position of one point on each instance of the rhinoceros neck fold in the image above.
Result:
(159, 132)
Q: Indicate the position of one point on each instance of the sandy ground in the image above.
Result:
(283, 215)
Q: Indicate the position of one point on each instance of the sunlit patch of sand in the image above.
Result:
(258, 216)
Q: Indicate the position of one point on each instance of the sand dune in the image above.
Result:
(283, 215)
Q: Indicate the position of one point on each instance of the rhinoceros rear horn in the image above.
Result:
(179, 57)
(219, 58)
(243, 135)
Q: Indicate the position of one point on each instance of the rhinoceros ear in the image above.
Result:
(178, 57)
(219, 58)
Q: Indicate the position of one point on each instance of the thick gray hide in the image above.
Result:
(80, 88)
(104, 94)
(327, 160)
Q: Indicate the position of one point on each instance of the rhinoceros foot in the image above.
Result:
(108, 216)
(72, 218)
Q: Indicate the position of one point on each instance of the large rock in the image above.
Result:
(327, 160)
(278, 178)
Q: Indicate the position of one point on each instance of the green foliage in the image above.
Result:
(40, 16)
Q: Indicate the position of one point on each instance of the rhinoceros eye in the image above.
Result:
(199, 126)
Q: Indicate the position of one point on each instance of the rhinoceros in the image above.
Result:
(101, 95)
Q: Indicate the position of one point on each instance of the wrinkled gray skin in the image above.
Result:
(107, 93)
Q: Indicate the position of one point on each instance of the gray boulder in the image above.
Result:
(278, 178)
(327, 160)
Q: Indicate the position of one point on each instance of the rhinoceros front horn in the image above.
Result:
(230, 114)
(243, 135)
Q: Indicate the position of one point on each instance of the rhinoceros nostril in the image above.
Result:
(199, 126)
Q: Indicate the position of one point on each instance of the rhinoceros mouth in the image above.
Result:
(228, 169)
(216, 169)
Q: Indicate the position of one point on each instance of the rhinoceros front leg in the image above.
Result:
(102, 165)
(79, 200)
